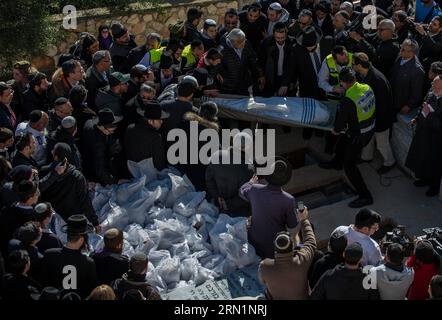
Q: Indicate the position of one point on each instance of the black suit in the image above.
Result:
(304, 72)
(327, 25)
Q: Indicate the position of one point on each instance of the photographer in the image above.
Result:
(402, 25)
(393, 278)
(430, 42)
(384, 48)
(425, 263)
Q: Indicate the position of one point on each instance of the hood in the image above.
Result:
(394, 277)
(191, 116)
(347, 273)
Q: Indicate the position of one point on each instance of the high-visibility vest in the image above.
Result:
(363, 97)
(155, 55)
(187, 53)
(333, 78)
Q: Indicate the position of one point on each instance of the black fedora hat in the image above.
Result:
(77, 224)
(107, 118)
(309, 37)
(152, 111)
(282, 172)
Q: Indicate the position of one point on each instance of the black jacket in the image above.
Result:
(327, 262)
(382, 54)
(134, 57)
(61, 135)
(256, 31)
(407, 83)
(35, 257)
(384, 98)
(225, 180)
(239, 73)
(6, 118)
(192, 33)
(327, 25)
(8, 195)
(268, 57)
(19, 159)
(48, 241)
(68, 193)
(82, 113)
(176, 109)
(304, 72)
(54, 121)
(17, 287)
(110, 266)
(34, 101)
(132, 90)
(54, 262)
(94, 82)
(11, 219)
(152, 144)
(107, 99)
(162, 86)
(430, 50)
(97, 151)
(343, 284)
(119, 52)
(130, 109)
(132, 281)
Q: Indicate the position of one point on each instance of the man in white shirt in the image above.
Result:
(38, 122)
(366, 224)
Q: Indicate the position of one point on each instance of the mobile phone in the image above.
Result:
(301, 206)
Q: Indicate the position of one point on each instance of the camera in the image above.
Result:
(434, 235)
(398, 235)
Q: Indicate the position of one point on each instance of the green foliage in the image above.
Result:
(56, 6)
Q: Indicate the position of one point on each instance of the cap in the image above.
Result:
(190, 79)
(117, 78)
(111, 234)
(68, 122)
(276, 6)
(338, 241)
(138, 263)
(35, 116)
(210, 22)
(283, 241)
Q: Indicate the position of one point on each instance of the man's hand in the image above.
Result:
(335, 133)
(222, 203)
(34, 173)
(420, 29)
(282, 92)
(254, 179)
(301, 216)
(261, 82)
(61, 168)
(339, 90)
(426, 109)
(405, 110)
(98, 229)
(412, 122)
(355, 36)
(220, 78)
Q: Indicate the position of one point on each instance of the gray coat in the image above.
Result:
(393, 284)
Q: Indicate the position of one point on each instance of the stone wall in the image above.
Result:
(139, 19)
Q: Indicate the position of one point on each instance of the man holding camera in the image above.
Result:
(430, 42)
(384, 48)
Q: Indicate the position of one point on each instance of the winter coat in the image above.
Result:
(142, 141)
(19, 159)
(286, 276)
(94, 82)
(6, 118)
(392, 281)
(53, 270)
(119, 52)
(110, 266)
(130, 110)
(133, 58)
(430, 50)
(176, 109)
(132, 281)
(327, 262)
(422, 278)
(107, 99)
(341, 283)
(68, 193)
(34, 101)
(256, 31)
(54, 121)
(239, 72)
(18, 287)
(61, 135)
(224, 180)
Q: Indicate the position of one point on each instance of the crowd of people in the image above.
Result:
(111, 101)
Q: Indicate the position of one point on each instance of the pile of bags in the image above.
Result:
(187, 241)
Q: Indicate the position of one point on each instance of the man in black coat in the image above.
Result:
(97, 76)
(36, 97)
(7, 115)
(146, 94)
(139, 75)
(407, 79)
(137, 54)
(323, 18)
(254, 24)
(81, 268)
(100, 150)
(25, 146)
(430, 42)
(368, 74)
(111, 97)
(239, 65)
(424, 156)
(146, 130)
(66, 188)
(307, 57)
(111, 264)
(345, 282)
(122, 45)
(383, 49)
(334, 257)
(274, 58)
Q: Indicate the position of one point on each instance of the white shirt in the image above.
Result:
(320, 22)
(40, 150)
(280, 59)
(372, 253)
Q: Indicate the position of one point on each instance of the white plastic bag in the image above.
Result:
(189, 268)
(169, 270)
(180, 250)
(143, 168)
(155, 257)
(188, 203)
(179, 187)
(116, 217)
(129, 191)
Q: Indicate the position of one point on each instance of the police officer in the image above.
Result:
(328, 77)
(355, 124)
